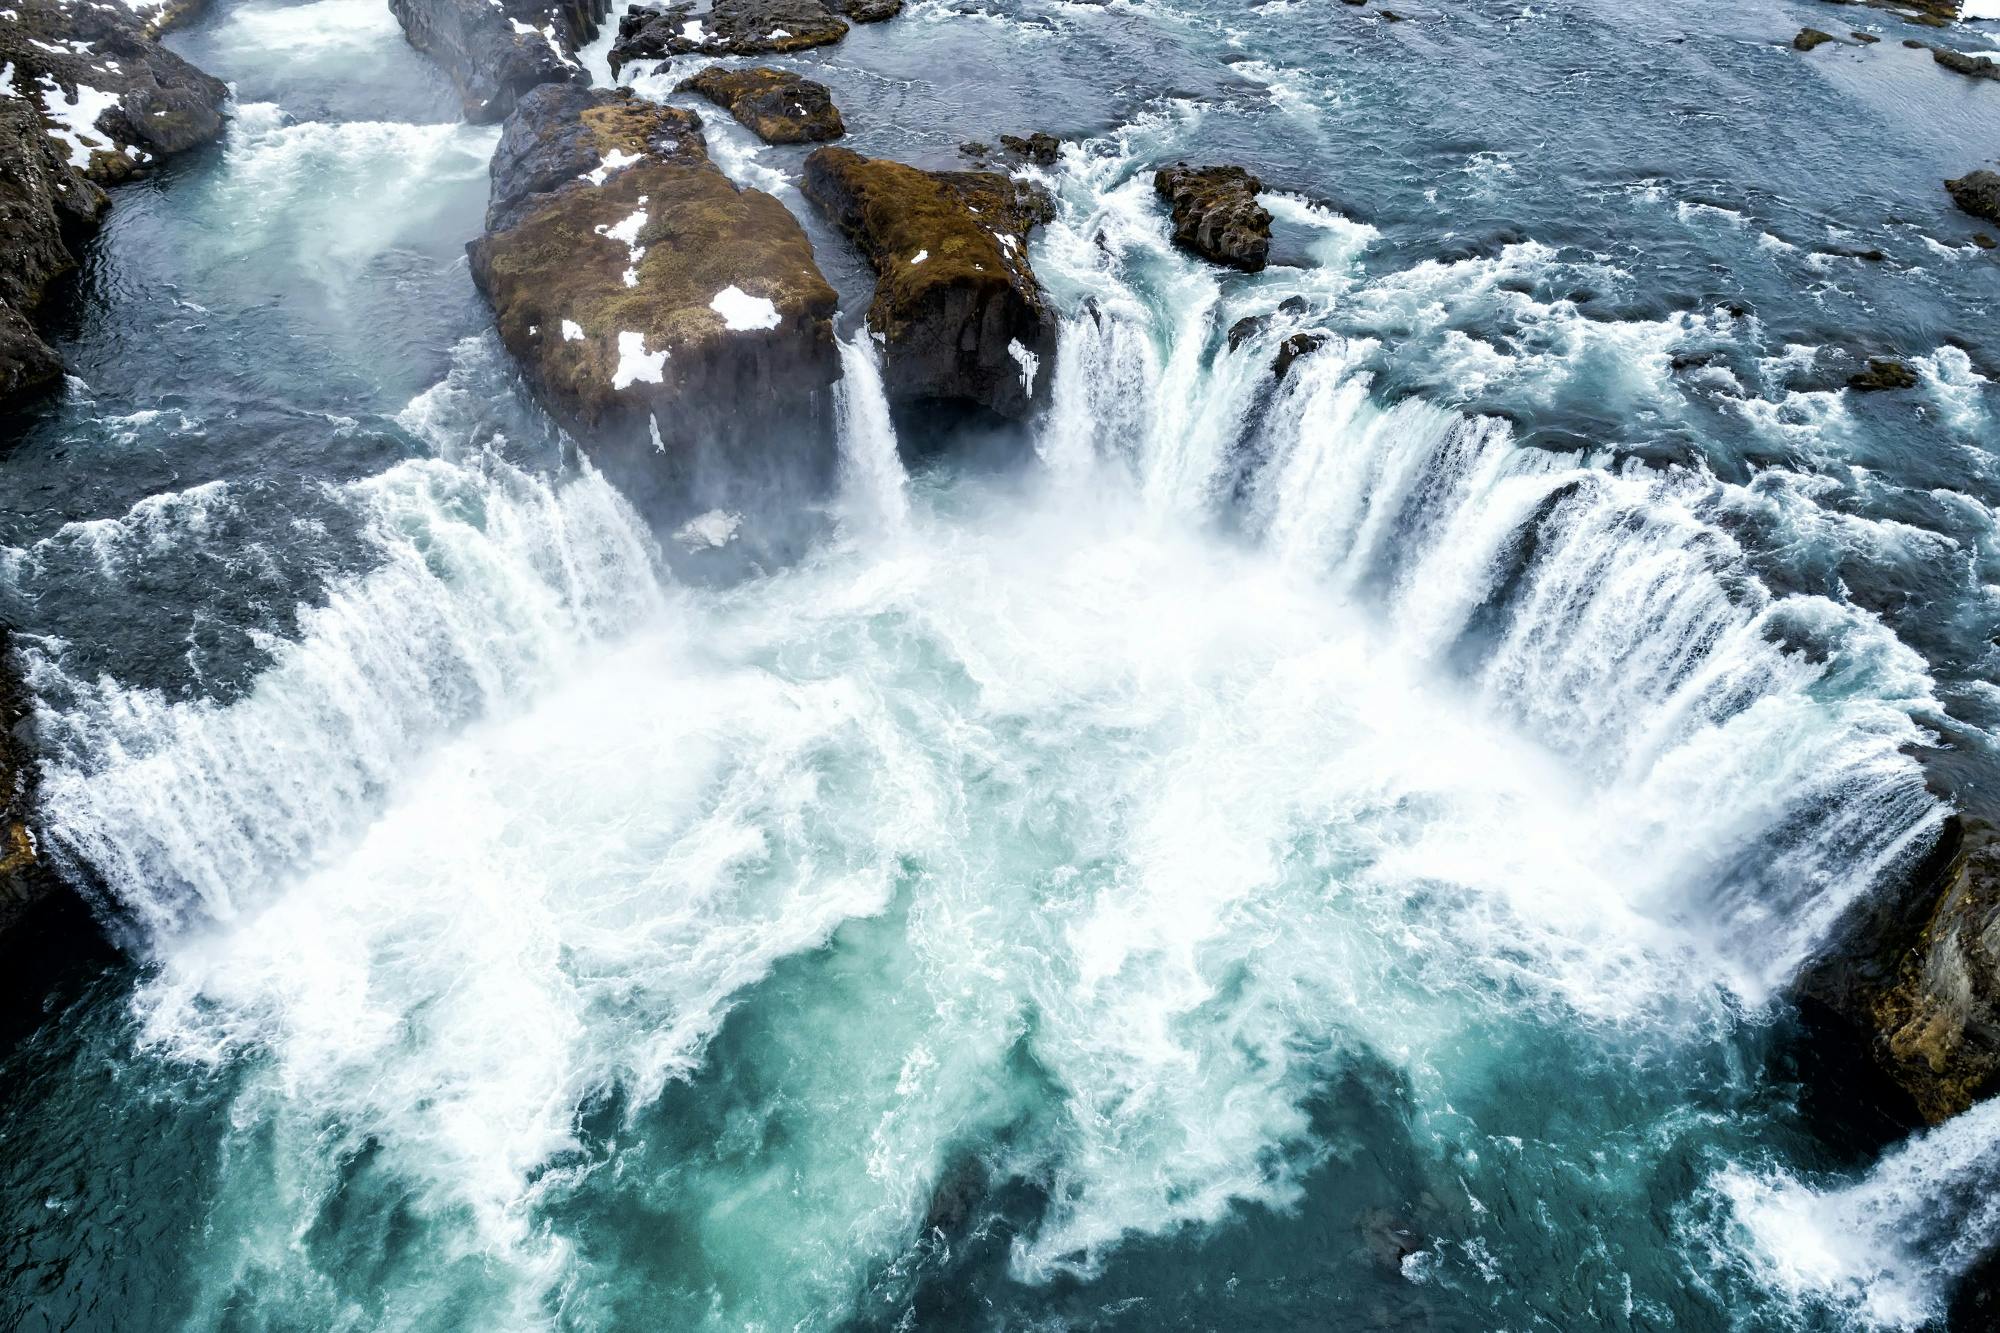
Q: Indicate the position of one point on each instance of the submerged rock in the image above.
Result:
(1883, 373)
(778, 106)
(1216, 214)
(957, 307)
(87, 98)
(729, 28)
(676, 322)
(1977, 193)
(496, 50)
(1809, 38)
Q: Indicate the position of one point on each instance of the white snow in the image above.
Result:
(921, 256)
(636, 363)
(694, 32)
(777, 33)
(615, 160)
(7, 80)
(572, 331)
(1028, 362)
(626, 233)
(740, 310)
(76, 119)
(713, 529)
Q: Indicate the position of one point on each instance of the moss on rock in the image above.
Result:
(960, 312)
(778, 106)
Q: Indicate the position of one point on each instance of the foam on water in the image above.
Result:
(1885, 1247)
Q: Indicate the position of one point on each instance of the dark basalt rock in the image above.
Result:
(777, 105)
(1216, 214)
(868, 11)
(1882, 374)
(961, 316)
(496, 50)
(153, 104)
(1977, 193)
(676, 323)
(1865, 38)
(1920, 981)
(1041, 149)
(1973, 67)
(729, 28)
(1809, 38)
(1294, 347)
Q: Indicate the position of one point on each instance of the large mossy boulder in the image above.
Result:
(494, 51)
(778, 106)
(959, 312)
(1921, 980)
(727, 28)
(676, 323)
(89, 98)
(1216, 214)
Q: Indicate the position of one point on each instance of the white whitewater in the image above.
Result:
(1885, 1247)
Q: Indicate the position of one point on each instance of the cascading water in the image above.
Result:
(1294, 850)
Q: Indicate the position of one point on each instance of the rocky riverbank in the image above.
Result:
(88, 98)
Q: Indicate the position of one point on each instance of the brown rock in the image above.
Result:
(1809, 38)
(675, 322)
(729, 28)
(960, 313)
(777, 105)
(1216, 214)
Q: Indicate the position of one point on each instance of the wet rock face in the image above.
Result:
(959, 312)
(1922, 987)
(778, 106)
(1809, 38)
(677, 324)
(89, 98)
(496, 50)
(1977, 193)
(1216, 214)
(728, 28)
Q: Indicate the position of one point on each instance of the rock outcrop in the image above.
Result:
(1921, 981)
(1882, 373)
(777, 106)
(1809, 38)
(868, 11)
(957, 307)
(87, 98)
(1973, 67)
(1977, 193)
(676, 323)
(496, 50)
(1216, 214)
(729, 28)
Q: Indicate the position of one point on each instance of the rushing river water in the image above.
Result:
(1256, 854)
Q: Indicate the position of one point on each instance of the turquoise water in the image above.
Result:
(1243, 855)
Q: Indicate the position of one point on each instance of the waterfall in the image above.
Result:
(1885, 1247)
(875, 487)
(1756, 741)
